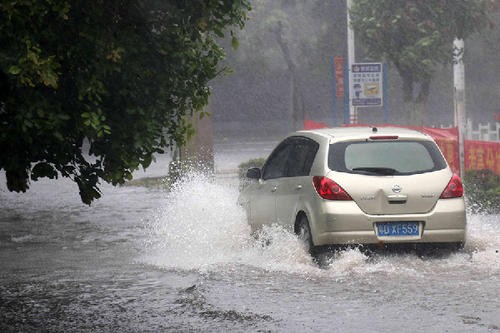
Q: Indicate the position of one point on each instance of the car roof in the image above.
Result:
(364, 132)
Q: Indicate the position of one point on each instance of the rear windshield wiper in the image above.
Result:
(376, 170)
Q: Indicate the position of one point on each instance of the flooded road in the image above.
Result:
(146, 260)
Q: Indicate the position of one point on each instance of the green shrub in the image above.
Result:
(482, 189)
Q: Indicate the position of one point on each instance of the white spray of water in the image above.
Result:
(202, 228)
(198, 226)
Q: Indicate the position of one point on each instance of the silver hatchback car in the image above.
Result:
(358, 186)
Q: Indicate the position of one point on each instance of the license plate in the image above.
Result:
(398, 229)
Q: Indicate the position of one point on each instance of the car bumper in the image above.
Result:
(345, 223)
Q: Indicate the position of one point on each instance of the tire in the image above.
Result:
(304, 234)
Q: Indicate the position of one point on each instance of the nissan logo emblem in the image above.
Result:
(396, 189)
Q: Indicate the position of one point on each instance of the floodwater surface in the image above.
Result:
(147, 260)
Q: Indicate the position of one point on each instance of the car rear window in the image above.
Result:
(385, 157)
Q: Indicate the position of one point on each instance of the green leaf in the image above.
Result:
(234, 43)
(59, 136)
(43, 169)
(15, 70)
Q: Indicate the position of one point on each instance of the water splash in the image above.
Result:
(199, 225)
(202, 228)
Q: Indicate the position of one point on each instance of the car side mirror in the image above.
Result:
(253, 173)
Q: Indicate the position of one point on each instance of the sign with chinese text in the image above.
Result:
(365, 84)
(481, 155)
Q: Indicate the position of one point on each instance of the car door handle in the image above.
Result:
(298, 187)
(274, 189)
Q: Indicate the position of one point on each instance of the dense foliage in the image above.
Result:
(90, 90)
(482, 189)
(415, 36)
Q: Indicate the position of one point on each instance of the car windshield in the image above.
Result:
(385, 157)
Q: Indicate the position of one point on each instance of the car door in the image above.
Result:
(290, 190)
(263, 197)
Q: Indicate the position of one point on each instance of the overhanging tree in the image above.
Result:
(119, 74)
(416, 36)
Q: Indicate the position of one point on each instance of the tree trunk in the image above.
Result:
(296, 100)
(416, 105)
(199, 150)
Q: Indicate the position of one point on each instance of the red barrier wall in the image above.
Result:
(482, 155)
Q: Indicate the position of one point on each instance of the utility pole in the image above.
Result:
(459, 98)
(353, 112)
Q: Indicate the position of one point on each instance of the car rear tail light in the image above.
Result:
(330, 190)
(454, 189)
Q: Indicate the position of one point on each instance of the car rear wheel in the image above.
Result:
(304, 232)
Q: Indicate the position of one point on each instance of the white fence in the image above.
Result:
(481, 132)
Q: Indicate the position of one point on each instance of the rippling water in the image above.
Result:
(144, 260)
